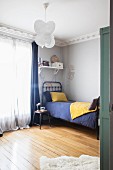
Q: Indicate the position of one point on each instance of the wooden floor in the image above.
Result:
(22, 149)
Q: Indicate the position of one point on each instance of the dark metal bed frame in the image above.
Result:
(51, 86)
(54, 86)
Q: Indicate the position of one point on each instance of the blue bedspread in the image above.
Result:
(62, 110)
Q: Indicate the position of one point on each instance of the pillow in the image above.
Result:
(46, 97)
(58, 97)
(94, 104)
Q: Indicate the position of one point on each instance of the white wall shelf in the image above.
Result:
(49, 67)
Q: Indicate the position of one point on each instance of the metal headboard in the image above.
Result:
(51, 86)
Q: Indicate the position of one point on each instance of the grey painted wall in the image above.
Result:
(48, 74)
(85, 59)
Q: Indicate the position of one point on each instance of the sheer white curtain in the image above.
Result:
(15, 79)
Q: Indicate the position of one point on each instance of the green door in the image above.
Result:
(105, 99)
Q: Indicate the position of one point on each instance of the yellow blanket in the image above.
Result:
(79, 108)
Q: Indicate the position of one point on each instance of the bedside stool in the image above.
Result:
(41, 113)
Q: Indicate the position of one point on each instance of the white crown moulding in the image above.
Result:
(16, 33)
(79, 39)
(28, 36)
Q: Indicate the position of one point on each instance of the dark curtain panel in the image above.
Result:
(34, 80)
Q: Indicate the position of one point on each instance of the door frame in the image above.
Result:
(105, 99)
(111, 83)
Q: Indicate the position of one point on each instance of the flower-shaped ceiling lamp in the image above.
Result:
(44, 31)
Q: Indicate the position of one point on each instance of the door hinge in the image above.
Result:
(111, 108)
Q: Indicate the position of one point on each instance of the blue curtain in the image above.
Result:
(35, 98)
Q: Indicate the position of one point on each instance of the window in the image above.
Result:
(15, 75)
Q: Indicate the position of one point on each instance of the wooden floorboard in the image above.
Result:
(22, 149)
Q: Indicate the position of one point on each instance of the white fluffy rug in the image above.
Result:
(84, 162)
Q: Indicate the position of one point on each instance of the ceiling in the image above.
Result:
(73, 18)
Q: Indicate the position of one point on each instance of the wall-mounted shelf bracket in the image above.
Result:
(56, 71)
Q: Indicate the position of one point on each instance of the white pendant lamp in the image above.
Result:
(44, 31)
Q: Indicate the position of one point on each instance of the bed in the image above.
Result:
(62, 109)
